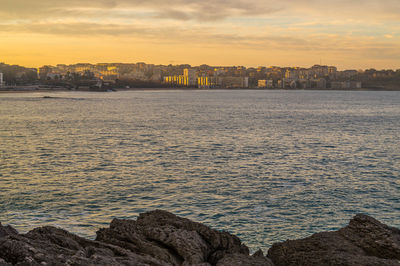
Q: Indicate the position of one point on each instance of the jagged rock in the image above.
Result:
(160, 238)
(7, 230)
(243, 260)
(53, 246)
(174, 240)
(156, 238)
(365, 241)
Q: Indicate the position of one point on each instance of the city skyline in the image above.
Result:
(349, 35)
(110, 76)
(187, 64)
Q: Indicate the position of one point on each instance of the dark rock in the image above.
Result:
(243, 260)
(156, 238)
(53, 246)
(365, 241)
(7, 230)
(161, 238)
(174, 240)
(259, 253)
(4, 263)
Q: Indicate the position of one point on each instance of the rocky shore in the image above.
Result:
(162, 238)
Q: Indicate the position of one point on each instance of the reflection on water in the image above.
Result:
(265, 165)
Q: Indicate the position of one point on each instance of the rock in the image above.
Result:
(365, 241)
(4, 263)
(243, 260)
(53, 246)
(161, 238)
(156, 238)
(7, 230)
(173, 240)
(259, 253)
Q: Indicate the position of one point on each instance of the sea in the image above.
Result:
(265, 165)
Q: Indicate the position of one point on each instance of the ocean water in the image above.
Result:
(264, 165)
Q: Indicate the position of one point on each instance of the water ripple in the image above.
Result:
(265, 165)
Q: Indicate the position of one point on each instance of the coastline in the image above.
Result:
(162, 238)
(41, 90)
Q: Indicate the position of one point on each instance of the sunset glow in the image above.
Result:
(349, 34)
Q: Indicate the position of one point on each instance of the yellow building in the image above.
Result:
(176, 80)
(206, 82)
(190, 75)
(188, 79)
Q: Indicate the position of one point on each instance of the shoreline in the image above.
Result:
(189, 89)
(162, 238)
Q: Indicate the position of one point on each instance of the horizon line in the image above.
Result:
(178, 64)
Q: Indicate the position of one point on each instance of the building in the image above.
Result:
(332, 72)
(304, 74)
(174, 80)
(44, 71)
(287, 83)
(205, 82)
(356, 84)
(292, 73)
(338, 85)
(191, 76)
(188, 79)
(319, 83)
(82, 67)
(304, 83)
(1, 80)
(233, 82)
(318, 71)
(263, 83)
(347, 74)
(156, 77)
(343, 85)
(139, 75)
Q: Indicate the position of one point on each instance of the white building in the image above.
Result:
(1, 80)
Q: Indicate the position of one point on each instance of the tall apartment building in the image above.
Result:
(188, 79)
(205, 82)
(1, 80)
(191, 76)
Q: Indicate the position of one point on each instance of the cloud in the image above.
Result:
(340, 27)
(206, 10)
(78, 29)
(211, 37)
(175, 9)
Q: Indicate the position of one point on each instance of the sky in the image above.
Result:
(349, 34)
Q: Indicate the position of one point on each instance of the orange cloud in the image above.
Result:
(251, 32)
